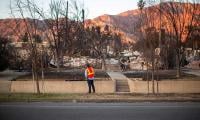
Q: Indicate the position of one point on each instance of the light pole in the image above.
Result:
(160, 35)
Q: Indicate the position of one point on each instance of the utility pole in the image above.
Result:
(83, 31)
(66, 24)
(66, 28)
(83, 16)
(160, 34)
(42, 61)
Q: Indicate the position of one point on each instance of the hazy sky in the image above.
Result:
(99, 7)
(94, 7)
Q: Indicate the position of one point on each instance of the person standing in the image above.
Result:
(89, 75)
(122, 64)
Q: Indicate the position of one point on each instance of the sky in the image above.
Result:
(112, 7)
(94, 8)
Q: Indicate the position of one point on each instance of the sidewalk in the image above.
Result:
(9, 75)
(192, 71)
(6, 77)
(116, 75)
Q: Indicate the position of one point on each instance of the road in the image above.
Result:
(100, 111)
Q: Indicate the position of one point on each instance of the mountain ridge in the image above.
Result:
(122, 24)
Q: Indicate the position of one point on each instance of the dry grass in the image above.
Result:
(98, 97)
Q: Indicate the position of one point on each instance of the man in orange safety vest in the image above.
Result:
(89, 75)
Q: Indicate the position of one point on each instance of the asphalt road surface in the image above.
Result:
(100, 111)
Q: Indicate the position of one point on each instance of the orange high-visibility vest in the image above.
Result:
(90, 72)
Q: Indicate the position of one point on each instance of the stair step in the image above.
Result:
(126, 89)
(123, 91)
(122, 88)
(123, 85)
(121, 82)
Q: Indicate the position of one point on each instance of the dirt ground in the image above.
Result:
(160, 75)
(67, 75)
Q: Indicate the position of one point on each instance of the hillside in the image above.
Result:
(124, 24)
(14, 29)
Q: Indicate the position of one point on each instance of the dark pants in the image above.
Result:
(91, 84)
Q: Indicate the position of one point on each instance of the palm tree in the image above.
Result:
(141, 4)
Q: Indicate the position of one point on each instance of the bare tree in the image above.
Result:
(148, 35)
(179, 16)
(176, 17)
(97, 43)
(98, 39)
(65, 28)
(26, 7)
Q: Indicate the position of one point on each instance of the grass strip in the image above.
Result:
(29, 97)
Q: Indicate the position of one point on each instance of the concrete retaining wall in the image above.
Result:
(165, 86)
(5, 86)
(61, 87)
(179, 86)
(136, 86)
